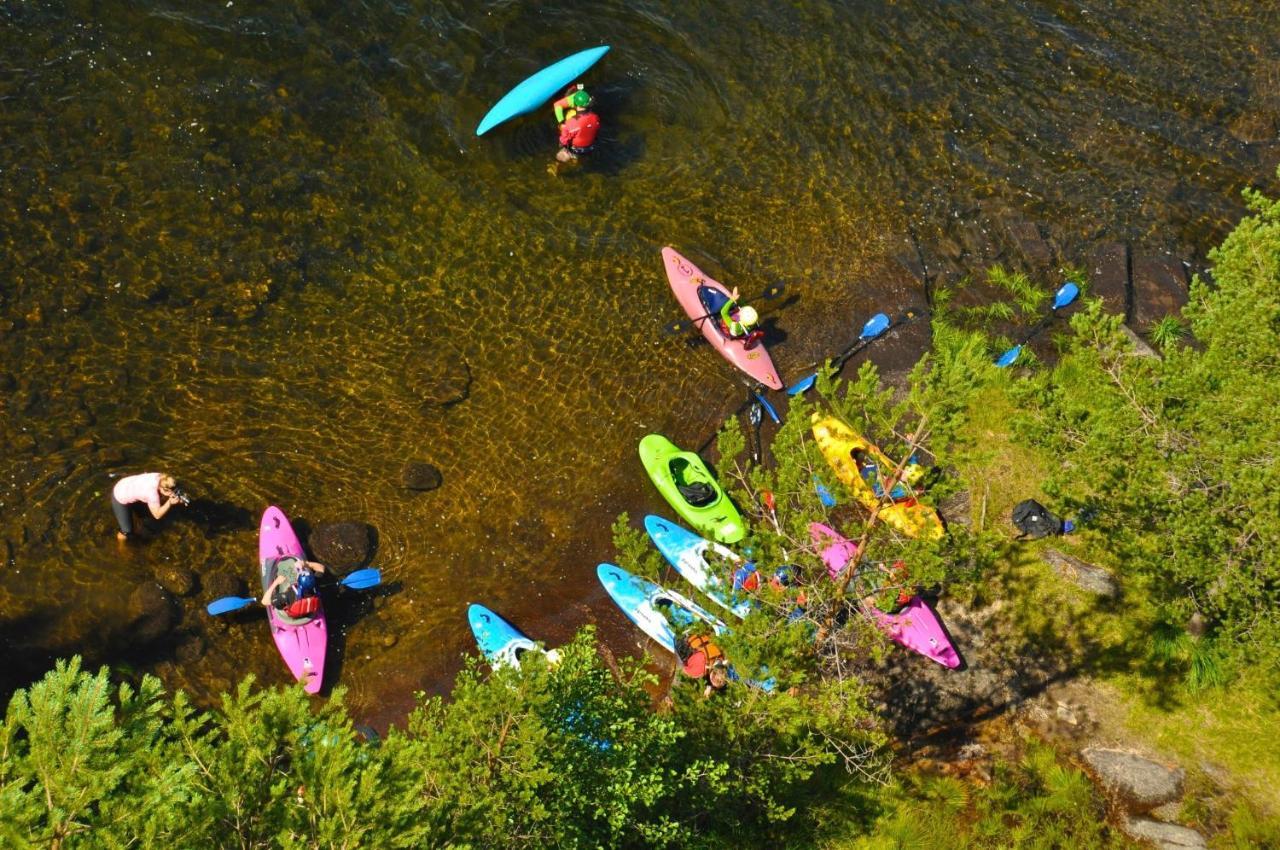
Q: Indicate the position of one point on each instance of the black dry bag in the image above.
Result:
(1034, 520)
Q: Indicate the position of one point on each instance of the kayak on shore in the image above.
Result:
(500, 642)
(302, 642)
(855, 460)
(653, 608)
(687, 484)
(701, 297)
(687, 554)
(914, 626)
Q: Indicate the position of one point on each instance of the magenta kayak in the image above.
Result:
(916, 626)
(302, 645)
(700, 295)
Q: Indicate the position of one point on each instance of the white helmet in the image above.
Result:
(748, 316)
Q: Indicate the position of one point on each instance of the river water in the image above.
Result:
(250, 242)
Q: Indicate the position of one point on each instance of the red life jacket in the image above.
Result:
(304, 607)
(580, 130)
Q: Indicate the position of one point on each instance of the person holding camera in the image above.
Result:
(157, 490)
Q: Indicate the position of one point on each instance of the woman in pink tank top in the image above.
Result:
(157, 490)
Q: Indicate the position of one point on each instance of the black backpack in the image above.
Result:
(1034, 520)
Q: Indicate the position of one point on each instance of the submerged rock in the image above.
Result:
(223, 584)
(178, 580)
(439, 381)
(152, 612)
(344, 545)
(418, 475)
(1139, 782)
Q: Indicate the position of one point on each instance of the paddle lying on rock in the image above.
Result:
(675, 328)
(358, 580)
(1064, 296)
(875, 326)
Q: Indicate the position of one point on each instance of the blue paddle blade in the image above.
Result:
(768, 408)
(227, 604)
(1009, 356)
(802, 384)
(363, 579)
(875, 326)
(828, 500)
(1065, 295)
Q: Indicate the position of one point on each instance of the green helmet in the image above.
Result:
(580, 100)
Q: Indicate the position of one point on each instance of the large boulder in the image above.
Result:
(1165, 836)
(1140, 783)
(223, 584)
(417, 475)
(344, 545)
(1085, 576)
(1159, 289)
(152, 612)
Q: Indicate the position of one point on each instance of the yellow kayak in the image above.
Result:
(859, 465)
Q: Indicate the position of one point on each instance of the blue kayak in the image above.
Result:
(653, 608)
(501, 642)
(687, 553)
(541, 87)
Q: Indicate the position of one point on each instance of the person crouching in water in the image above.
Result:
(578, 124)
(293, 592)
(157, 490)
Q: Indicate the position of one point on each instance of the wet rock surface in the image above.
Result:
(1138, 782)
(221, 584)
(1159, 289)
(1089, 577)
(178, 580)
(342, 545)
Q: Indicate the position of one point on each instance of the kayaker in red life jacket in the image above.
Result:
(578, 124)
(294, 592)
(739, 322)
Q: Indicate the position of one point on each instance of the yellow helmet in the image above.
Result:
(748, 316)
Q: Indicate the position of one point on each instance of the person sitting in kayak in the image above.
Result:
(578, 124)
(293, 592)
(740, 322)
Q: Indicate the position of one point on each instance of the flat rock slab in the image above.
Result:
(1140, 782)
(1084, 575)
(1159, 289)
(1166, 836)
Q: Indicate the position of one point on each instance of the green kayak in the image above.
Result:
(688, 486)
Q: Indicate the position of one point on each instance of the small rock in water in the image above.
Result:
(417, 475)
(389, 640)
(178, 580)
(343, 545)
(190, 650)
(223, 584)
(152, 612)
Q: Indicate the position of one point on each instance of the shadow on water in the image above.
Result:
(216, 517)
(343, 609)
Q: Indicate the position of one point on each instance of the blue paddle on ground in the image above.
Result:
(1064, 296)
(875, 326)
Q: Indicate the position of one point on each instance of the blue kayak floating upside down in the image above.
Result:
(541, 87)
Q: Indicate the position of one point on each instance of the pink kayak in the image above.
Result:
(700, 295)
(303, 644)
(916, 626)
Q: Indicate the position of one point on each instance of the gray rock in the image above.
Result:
(417, 475)
(1196, 625)
(1140, 783)
(343, 545)
(1140, 347)
(1166, 836)
(152, 612)
(1088, 577)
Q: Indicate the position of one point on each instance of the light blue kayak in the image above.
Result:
(541, 87)
(687, 553)
(501, 642)
(645, 603)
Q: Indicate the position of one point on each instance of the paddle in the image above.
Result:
(755, 416)
(1064, 296)
(675, 328)
(358, 580)
(768, 408)
(875, 326)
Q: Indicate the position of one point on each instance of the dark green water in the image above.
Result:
(244, 241)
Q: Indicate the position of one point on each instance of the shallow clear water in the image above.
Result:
(243, 242)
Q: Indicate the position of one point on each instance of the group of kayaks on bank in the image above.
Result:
(677, 623)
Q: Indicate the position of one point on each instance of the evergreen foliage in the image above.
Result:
(1177, 459)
